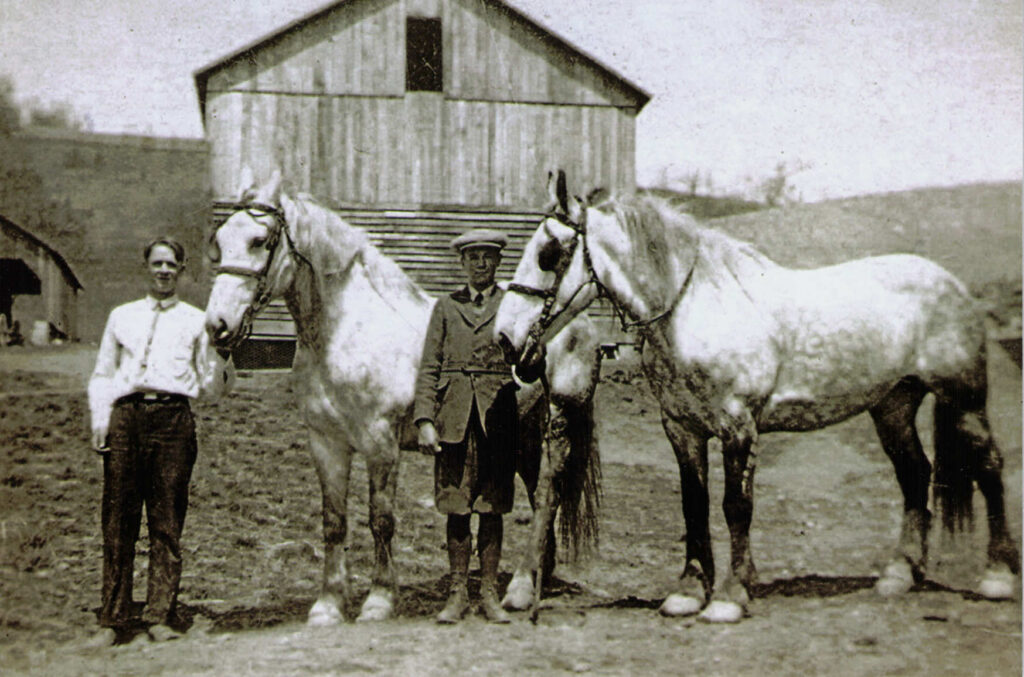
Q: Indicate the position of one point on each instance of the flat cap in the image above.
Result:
(480, 237)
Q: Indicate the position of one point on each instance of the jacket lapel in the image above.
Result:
(490, 309)
(463, 305)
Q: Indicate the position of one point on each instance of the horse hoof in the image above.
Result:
(680, 605)
(997, 584)
(377, 607)
(324, 615)
(519, 594)
(896, 579)
(721, 612)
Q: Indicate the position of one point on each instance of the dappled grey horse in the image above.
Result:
(736, 345)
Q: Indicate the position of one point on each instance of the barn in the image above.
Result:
(418, 119)
(36, 283)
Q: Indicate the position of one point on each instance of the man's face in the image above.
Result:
(163, 271)
(480, 265)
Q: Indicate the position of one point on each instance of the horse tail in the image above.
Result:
(579, 483)
(955, 463)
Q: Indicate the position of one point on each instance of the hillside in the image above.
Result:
(126, 190)
(973, 230)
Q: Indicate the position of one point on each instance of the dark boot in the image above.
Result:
(491, 531)
(459, 547)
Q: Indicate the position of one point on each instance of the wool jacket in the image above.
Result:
(461, 364)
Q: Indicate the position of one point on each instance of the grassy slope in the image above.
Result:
(974, 231)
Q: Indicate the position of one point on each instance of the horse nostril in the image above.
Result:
(507, 349)
(219, 331)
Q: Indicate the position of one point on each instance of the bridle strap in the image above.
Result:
(262, 293)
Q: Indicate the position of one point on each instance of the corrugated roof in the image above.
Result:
(65, 269)
(203, 74)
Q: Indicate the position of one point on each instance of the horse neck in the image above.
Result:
(645, 278)
(334, 257)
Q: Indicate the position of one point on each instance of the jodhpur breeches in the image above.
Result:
(152, 451)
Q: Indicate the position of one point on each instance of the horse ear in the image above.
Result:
(561, 192)
(271, 192)
(246, 183)
(552, 192)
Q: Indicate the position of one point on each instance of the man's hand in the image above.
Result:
(99, 440)
(427, 440)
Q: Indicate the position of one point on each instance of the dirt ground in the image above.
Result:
(826, 517)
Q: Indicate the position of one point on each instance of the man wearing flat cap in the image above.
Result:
(467, 417)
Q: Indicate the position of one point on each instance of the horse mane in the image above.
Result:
(661, 246)
(663, 235)
(331, 244)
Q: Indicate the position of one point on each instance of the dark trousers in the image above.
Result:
(152, 451)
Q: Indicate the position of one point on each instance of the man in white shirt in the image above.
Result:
(154, 358)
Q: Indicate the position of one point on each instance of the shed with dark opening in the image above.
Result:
(36, 283)
(419, 119)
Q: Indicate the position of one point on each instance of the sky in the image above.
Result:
(854, 97)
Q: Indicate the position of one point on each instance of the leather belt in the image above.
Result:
(152, 398)
(476, 370)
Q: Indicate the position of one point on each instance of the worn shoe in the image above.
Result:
(491, 607)
(455, 608)
(163, 633)
(103, 638)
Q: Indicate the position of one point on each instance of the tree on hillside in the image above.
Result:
(778, 189)
(694, 192)
(56, 115)
(23, 196)
(10, 116)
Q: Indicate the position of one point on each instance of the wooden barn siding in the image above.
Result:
(491, 57)
(359, 49)
(418, 149)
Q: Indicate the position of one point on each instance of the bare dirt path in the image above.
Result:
(826, 514)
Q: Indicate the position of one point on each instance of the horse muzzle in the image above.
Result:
(222, 337)
(529, 362)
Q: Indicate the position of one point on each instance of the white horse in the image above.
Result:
(736, 345)
(361, 322)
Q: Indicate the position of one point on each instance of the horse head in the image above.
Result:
(553, 282)
(249, 261)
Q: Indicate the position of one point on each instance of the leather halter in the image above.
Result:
(262, 295)
(546, 318)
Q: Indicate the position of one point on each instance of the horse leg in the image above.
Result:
(733, 594)
(382, 468)
(963, 425)
(540, 553)
(698, 575)
(894, 422)
(333, 463)
(543, 530)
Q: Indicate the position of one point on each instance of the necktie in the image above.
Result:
(479, 300)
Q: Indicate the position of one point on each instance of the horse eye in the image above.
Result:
(258, 242)
(548, 256)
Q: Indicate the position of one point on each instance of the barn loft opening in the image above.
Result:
(423, 62)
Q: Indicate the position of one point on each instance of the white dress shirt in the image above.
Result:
(155, 345)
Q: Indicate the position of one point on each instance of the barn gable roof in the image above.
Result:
(202, 75)
(17, 231)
